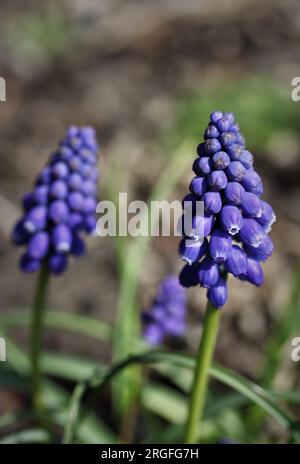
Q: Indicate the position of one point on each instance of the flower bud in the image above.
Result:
(235, 171)
(220, 160)
(58, 190)
(202, 166)
(62, 238)
(211, 132)
(263, 251)
(28, 264)
(192, 250)
(251, 205)
(220, 245)
(235, 152)
(218, 294)
(233, 193)
(58, 211)
(38, 245)
(198, 186)
(254, 274)
(267, 217)
(251, 233)
(236, 262)
(208, 273)
(215, 116)
(212, 202)
(231, 219)
(223, 124)
(246, 159)
(217, 180)
(35, 219)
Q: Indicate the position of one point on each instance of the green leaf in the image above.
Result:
(72, 368)
(27, 436)
(247, 388)
(165, 402)
(55, 398)
(60, 320)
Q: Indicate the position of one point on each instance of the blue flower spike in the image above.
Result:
(240, 221)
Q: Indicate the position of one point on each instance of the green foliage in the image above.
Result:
(262, 108)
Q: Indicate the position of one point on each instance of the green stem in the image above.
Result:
(203, 363)
(38, 308)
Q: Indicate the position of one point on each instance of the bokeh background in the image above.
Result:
(147, 74)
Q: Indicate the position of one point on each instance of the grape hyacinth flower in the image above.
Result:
(62, 205)
(167, 313)
(57, 212)
(230, 190)
(235, 240)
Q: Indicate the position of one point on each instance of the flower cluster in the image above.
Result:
(61, 205)
(167, 313)
(236, 221)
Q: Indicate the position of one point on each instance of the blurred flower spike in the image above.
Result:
(62, 205)
(167, 313)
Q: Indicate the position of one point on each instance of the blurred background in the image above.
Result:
(147, 74)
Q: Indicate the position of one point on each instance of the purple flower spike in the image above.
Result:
(251, 233)
(208, 273)
(230, 190)
(220, 245)
(61, 206)
(167, 313)
(236, 263)
(218, 293)
(231, 219)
